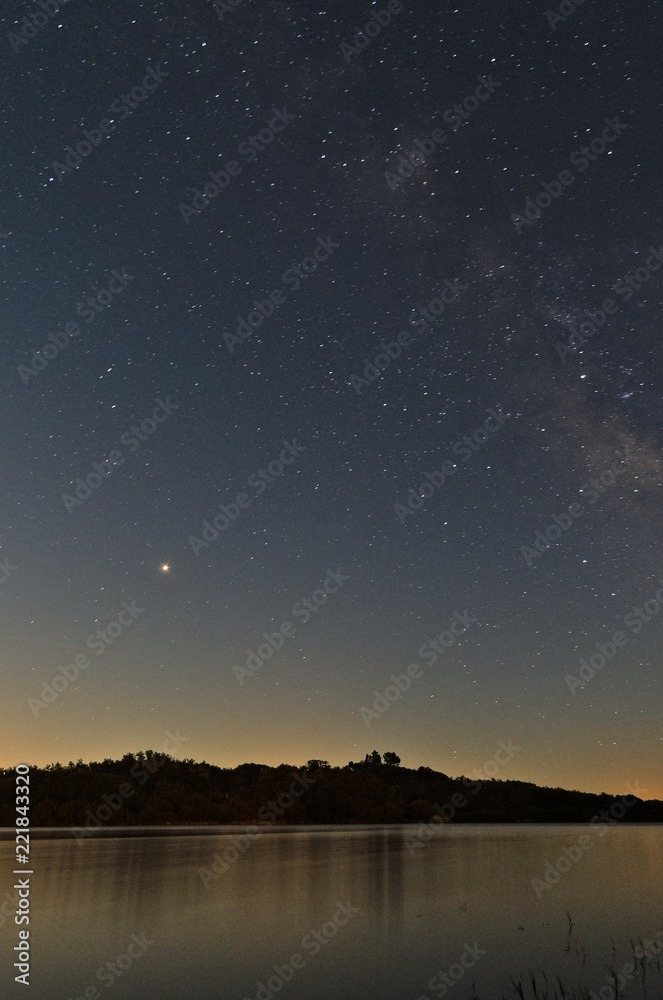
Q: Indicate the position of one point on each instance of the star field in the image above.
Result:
(210, 371)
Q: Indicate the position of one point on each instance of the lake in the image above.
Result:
(373, 913)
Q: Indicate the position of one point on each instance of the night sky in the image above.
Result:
(205, 438)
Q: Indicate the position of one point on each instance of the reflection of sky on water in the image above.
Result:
(417, 910)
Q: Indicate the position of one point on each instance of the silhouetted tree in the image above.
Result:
(188, 791)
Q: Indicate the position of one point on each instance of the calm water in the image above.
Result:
(405, 916)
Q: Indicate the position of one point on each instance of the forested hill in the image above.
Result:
(148, 788)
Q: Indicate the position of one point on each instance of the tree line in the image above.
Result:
(147, 788)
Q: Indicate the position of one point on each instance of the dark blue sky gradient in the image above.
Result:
(362, 446)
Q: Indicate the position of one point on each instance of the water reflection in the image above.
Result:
(414, 912)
